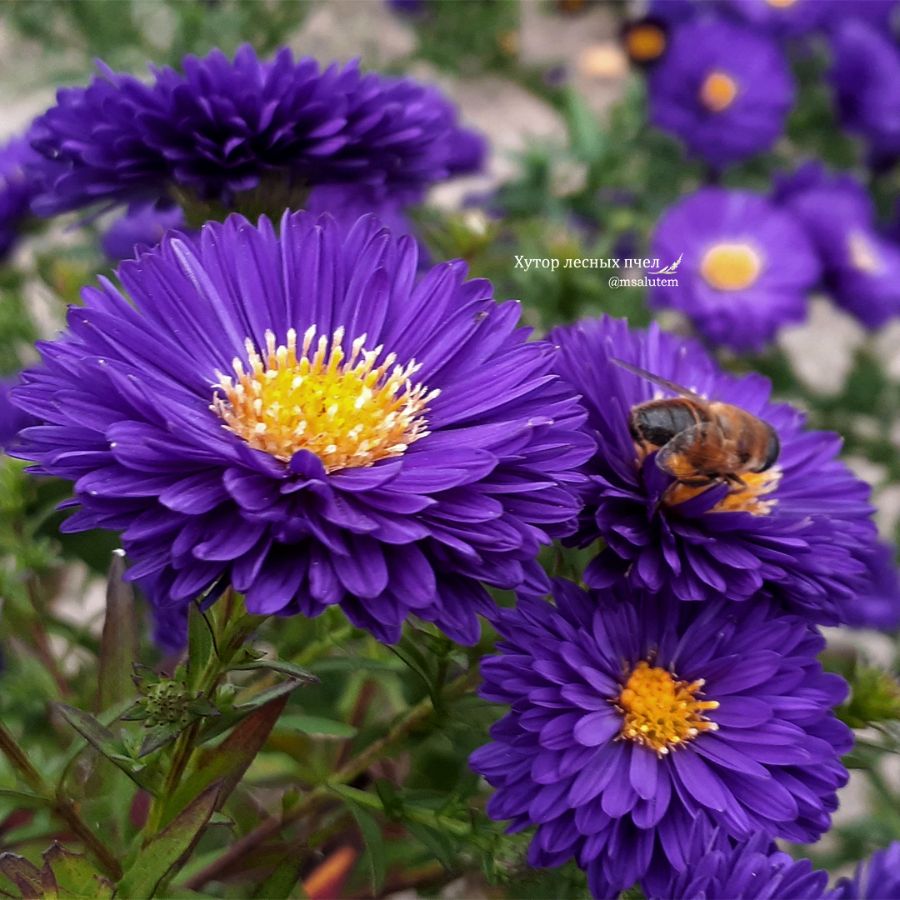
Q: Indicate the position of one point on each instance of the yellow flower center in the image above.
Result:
(661, 712)
(731, 267)
(350, 410)
(749, 497)
(862, 254)
(645, 42)
(718, 91)
(781, 4)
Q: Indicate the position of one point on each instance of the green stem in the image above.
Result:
(409, 722)
(62, 806)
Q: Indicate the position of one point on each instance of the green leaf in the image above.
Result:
(118, 644)
(373, 839)
(162, 853)
(103, 740)
(278, 665)
(226, 764)
(586, 137)
(439, 844)
(317, 726)
(282, 880)
(24, 875)
(22, 798)
(72, 875)
(201, 646)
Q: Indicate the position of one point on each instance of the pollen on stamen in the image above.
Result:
(350, 411)
(660, 712)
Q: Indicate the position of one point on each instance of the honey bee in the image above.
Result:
(700, 442)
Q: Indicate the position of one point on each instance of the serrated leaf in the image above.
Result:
(119, 641)
(317, 726)
(278, 665)
(227, 763)
(162, 853)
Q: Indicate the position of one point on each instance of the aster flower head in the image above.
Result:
(875, 879)
(634, 720)
(748, 870)
(861, 266)
(746, 266)
(798, 529)
(16, 190)
(865, 76)
(222, 126)
(722, 88)
(297, 415)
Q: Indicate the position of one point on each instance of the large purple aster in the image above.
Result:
(866, 80)
(861, 265)
(297, 414)
(16, 191)
(746, 266)
(800, 529)
(221, 127)
(633, 720)
(878, 878)
(723, 88)
(749, 870)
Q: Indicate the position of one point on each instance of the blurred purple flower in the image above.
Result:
(746, 266)
(878, 603)
(634, 720)
(16, 190)
(12, 419)
(861, 266)
(782, 19)
(225, 126)
(878, 878)
(800, 529)
(724, 89)
(140, 228)
(866, 80)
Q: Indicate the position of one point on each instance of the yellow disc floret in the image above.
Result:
(661, 712)
(750, 497)
(349, 409)
(718, 91)
(731, 267)
(645, 42)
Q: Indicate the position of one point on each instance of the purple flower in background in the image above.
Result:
(800, 529)
(222, 127)
(16, 191)
(169, 623)
(866, 79)
(722, 88)
(878, 13)
(782, 18)
(634, 720)
(876, 879)
(298, 415)
(878, 604)
(140, 228)
(750, 870)
(12, 419)
(861, 265)
(745, 268)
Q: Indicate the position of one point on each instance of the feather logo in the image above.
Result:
(671, 269)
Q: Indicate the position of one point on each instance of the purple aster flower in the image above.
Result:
(866, 80)
(633, 720)
(799, 529)
(723, 88)
(782, 18)
(878, 13)
(861, 265)
(298, 415)
(745, 267)
(12, 419)
(222, 127)
(16, 191)
(141, 227)
(876, 879)
(749, 870)
(169, 622)
(878, 603)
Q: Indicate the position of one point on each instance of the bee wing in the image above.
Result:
(657, 379)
